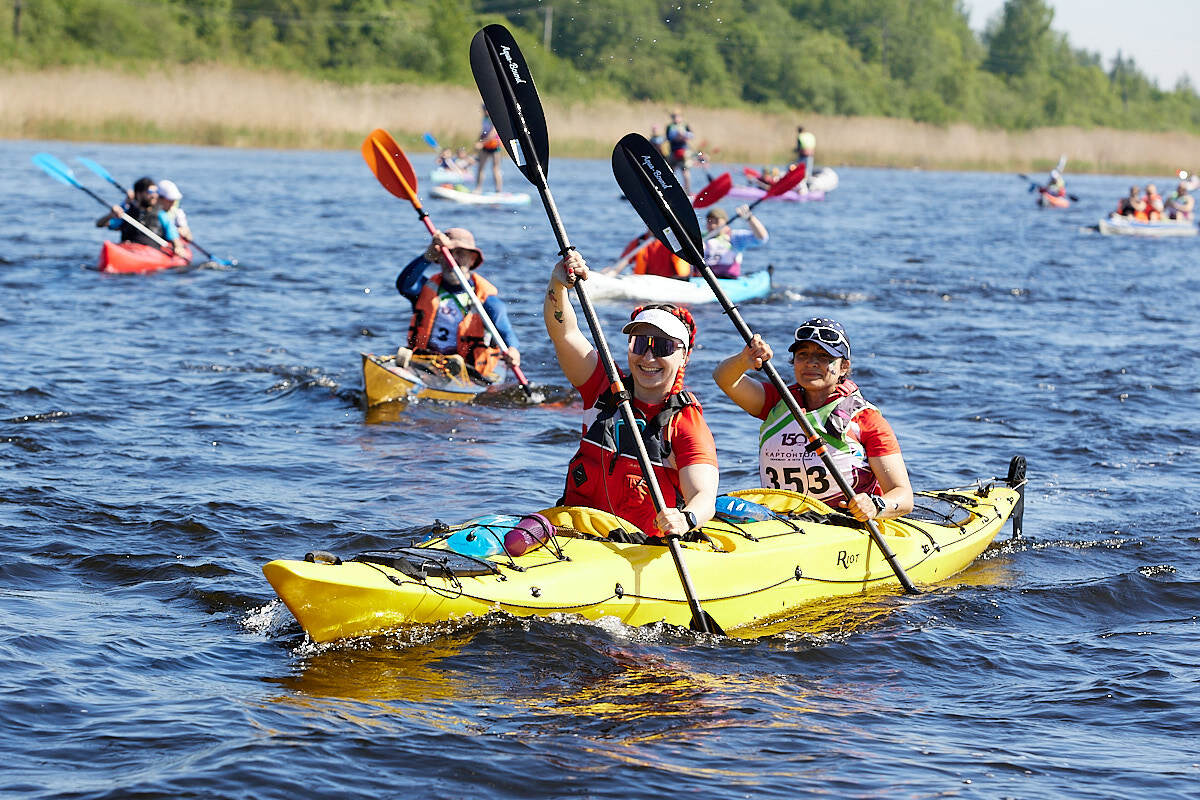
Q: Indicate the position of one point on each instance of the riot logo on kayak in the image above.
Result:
(513, 67)
(657, 173)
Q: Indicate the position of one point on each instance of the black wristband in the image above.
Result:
(880, 503)
(691, 520)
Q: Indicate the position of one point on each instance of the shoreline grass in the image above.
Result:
(222, 106)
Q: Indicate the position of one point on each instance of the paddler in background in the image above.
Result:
(444, 319)
(863, 444)
(1181, 205)
(679, 148)
(723, 252)
(1154, 203)
(1056, 186)
(169, 198)
(1132, 205)
(604, 473)
(142, 206)
(806, 148)
(651, 259)
(489, 150)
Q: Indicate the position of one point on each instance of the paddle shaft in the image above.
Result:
(816, 443)
(161, 242)
(537, 176)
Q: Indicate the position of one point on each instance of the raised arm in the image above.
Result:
(730, 375)
(575, 353)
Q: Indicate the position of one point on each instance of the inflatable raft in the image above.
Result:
(823, 181)
(130, 257)
(444, 175)
(694, 291)
(393, 378)
(1127, 226)
(461, 194)
(769, 553)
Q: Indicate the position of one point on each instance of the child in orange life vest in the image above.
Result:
(605, 473)
(444, 319)
(859, 439)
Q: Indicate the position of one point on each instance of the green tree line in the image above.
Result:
(915, 59)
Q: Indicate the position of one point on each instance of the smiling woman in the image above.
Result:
(605, 473)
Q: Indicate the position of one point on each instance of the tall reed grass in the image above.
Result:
(217, 105)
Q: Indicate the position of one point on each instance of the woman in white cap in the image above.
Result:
(605, 473)
(168, 200)
(862, 444)
(444, 319)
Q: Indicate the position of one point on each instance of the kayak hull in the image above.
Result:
(822, 181)
(756, 573)
(1047, 200)
(1125, 226)
(423, 377)
(694, 291)
(460, 194)
(443, 175)
(128, 257)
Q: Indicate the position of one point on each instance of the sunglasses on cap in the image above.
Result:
(660, 346)
(826, 335)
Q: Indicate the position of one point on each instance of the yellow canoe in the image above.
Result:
(429, 377)
(748, 575)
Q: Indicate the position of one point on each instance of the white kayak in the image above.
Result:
(694, 291)
(1127, 226)
(461, 194)
(444, 175)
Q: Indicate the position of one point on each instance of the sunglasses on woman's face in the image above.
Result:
(658, 345)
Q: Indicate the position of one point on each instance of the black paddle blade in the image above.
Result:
(512, 101)
(644, 177)
(709, 625)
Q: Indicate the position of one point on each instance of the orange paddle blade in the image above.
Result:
(714, 191)
(788, 181)
(390, 165)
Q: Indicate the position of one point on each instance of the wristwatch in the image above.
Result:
(691, 520)
(880, 503)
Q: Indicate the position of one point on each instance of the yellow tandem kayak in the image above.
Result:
(746, 574)
(392, 378)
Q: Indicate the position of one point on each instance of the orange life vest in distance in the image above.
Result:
(605, 472)
(472, 334)
(655, 259)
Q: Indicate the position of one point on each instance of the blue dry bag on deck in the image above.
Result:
(483, 536)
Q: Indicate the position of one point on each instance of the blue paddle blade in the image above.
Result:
(96, 168)
(56, 169)
(429, 140)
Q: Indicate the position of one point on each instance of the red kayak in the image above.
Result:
(1052, 200)
(130, 257)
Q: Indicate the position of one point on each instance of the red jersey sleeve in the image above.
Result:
(772, 397)
(594, 386)
(878, 438)
(691, 440)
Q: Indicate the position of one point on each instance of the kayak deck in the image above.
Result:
(694, 291)
(748, 575)
(426, 377)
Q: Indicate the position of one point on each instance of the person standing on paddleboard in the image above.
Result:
(489, 150)
(679, 148)
(444, 319)
(604, 473)
(862, 443)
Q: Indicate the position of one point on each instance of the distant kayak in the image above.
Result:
(461, 194)
(427, 377)
(694, 291)
(444, 175)
(130, 257)
(1127, 226)
(1047, 200)
(823, 181)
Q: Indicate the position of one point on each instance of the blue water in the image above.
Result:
(162, 436)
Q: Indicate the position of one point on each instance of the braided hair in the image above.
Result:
(684, 316)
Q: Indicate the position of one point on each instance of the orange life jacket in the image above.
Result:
(472, 334)
(655, 259)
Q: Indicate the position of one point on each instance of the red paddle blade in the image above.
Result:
(390, 165)
(788, 181)
(714, 191)
(750, 172)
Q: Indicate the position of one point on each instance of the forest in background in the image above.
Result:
(905, 59)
